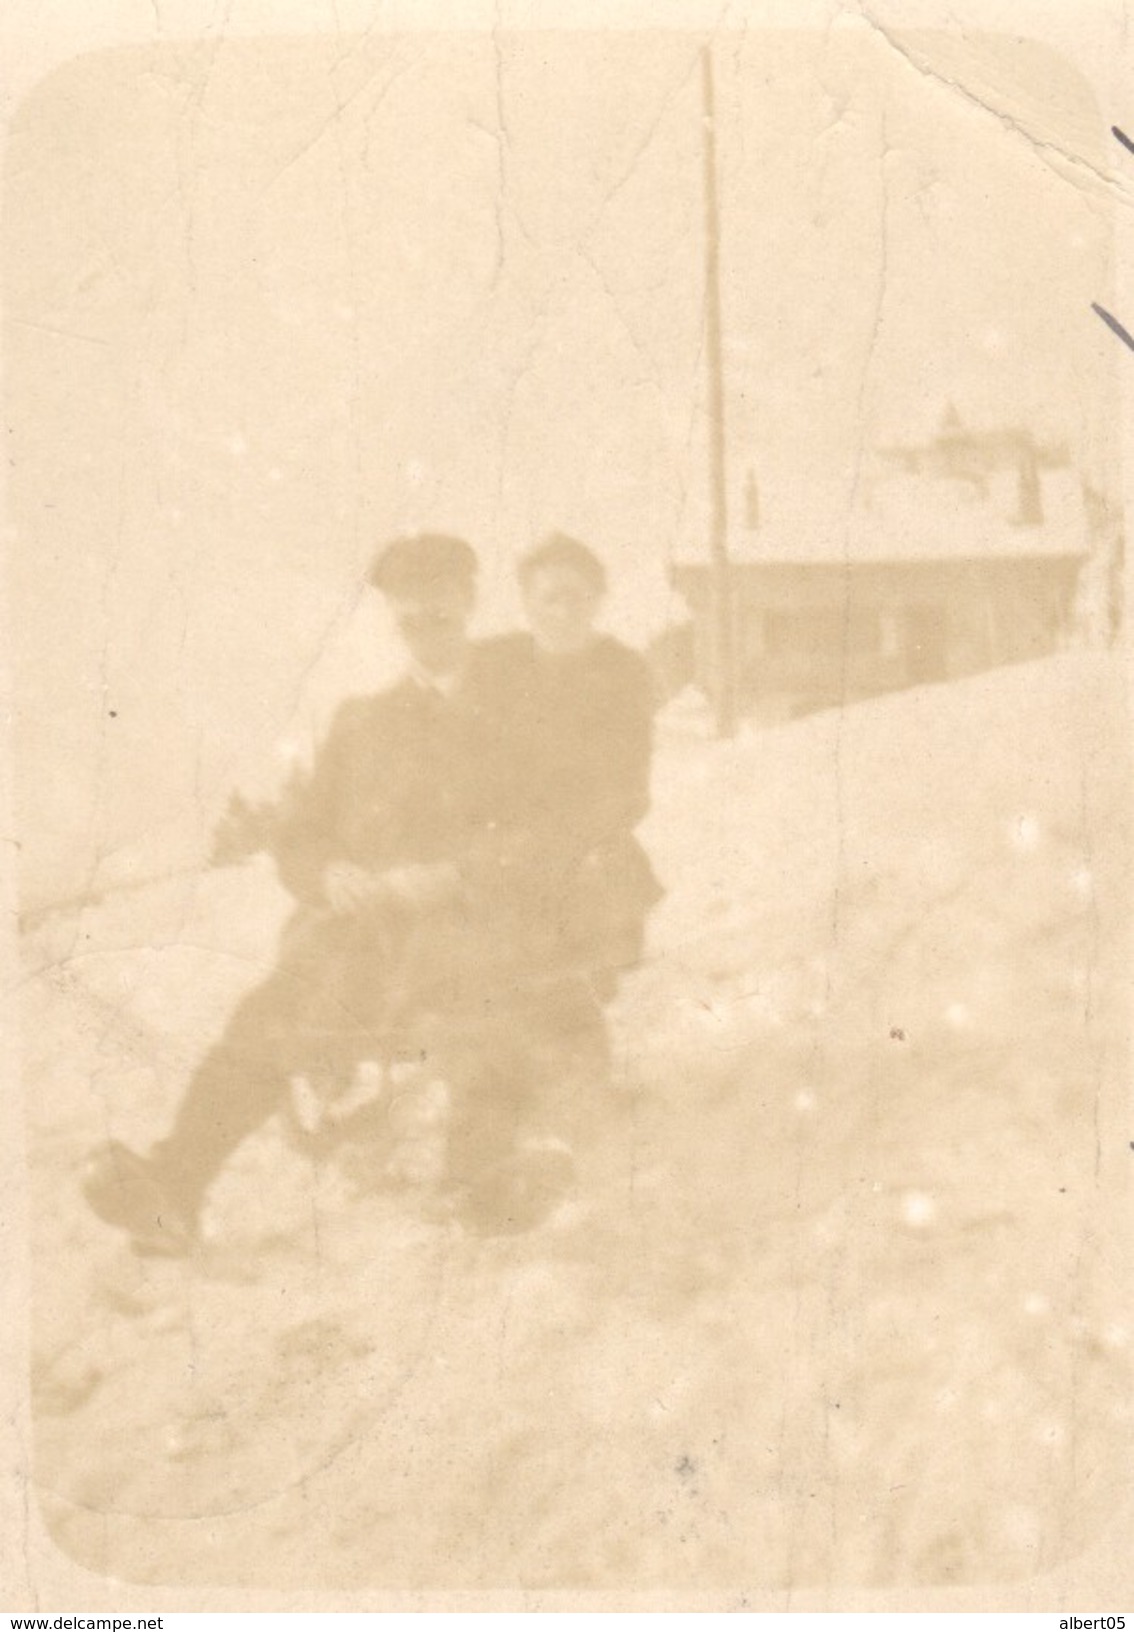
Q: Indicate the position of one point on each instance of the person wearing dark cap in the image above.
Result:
(369, 850)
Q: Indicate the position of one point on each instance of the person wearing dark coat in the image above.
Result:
(567, 730)
(369, 849)
(464, 851)
(568, 716)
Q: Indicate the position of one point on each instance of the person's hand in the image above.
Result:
(415, 885)
(349, 887)
(421, 885)
(243, 830)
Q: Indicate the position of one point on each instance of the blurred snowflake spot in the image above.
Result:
(1036, 1304)
(805, 1102)
(1083, 882)
(1025, 833)
(918, 1209)
(957, 1015)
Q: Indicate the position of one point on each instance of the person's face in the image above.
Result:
(433, 622)
(560, 606)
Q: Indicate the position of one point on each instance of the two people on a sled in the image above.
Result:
(468, 886)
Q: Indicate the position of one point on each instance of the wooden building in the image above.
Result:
(964, 554)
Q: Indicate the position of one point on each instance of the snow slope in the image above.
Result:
(843, 1300)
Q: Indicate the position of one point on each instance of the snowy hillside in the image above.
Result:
(842, 1301)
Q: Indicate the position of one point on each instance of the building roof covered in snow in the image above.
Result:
(961, 495)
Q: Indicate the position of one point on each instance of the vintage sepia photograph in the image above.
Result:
(570, 758)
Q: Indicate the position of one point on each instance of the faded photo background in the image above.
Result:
(846, 1302)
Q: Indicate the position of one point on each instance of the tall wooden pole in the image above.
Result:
(723, 656)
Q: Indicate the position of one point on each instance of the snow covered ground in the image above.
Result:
(843, 1300)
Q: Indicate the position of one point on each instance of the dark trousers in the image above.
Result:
(509, 1045)
(326, 997)
(528, 1068)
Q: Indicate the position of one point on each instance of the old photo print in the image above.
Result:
(570, 778)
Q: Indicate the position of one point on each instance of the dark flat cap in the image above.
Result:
(427, 558)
